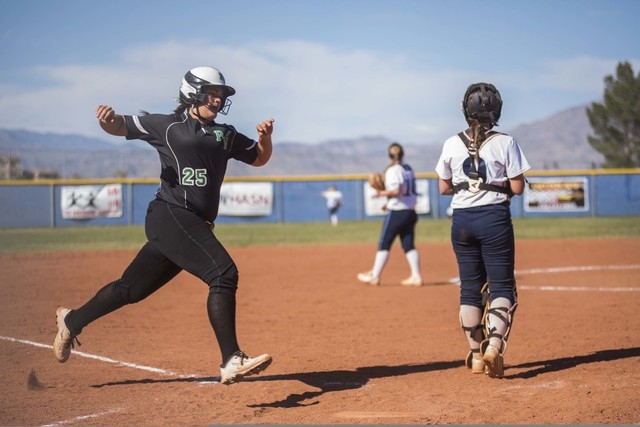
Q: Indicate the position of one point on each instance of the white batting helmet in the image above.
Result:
(196, 79)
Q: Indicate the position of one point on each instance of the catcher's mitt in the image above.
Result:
(376, 180)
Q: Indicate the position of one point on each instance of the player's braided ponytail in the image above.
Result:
(477, 136)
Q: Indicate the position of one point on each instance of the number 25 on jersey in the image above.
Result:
(191, 177)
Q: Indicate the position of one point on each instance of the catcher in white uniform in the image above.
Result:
(483, 169)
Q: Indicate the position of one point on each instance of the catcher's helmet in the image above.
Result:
(197, 79)
(482, 102)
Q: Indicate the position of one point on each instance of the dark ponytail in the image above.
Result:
(180, 109)
(478, 132)
(396, 152)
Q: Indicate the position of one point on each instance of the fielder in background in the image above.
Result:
(194, 150)
(334, 202)
(400, 220)
(483, 169)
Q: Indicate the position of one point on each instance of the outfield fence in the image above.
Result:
(118, 201)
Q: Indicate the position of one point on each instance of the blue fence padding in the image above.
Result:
(617, 195)
(26, 206)
(142, 195)
(40, 205)
(303, 202)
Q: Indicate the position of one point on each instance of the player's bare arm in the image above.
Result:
(392, 192)
(517, 184)
(111, 122)
(445, 186)
(265, 146)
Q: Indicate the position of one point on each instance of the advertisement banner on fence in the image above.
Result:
(91, 201)
(246, 199)
(556, 195)
(373, 205)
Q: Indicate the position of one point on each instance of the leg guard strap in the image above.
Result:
(506, 314)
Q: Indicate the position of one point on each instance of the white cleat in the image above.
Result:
(369, 279)
(239, 365)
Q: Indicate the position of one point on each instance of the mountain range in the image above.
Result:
(557, 142)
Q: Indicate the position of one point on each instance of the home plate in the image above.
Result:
(369, 414)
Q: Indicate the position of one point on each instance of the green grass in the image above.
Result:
(587, 227)
(132, 237)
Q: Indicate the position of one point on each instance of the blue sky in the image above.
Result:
(324, 69)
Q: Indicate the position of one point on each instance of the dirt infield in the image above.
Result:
(344, 353)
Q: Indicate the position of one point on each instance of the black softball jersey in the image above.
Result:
(193, 157)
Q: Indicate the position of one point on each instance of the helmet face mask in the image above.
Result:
(196, 80)
(482, 102)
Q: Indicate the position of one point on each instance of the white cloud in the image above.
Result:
(315, 92)
(557, 84)
(577, 74)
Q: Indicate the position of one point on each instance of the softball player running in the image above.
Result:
(483, 169)
(194, 150)
(400, 221)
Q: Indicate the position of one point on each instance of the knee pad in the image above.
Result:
(470, 298)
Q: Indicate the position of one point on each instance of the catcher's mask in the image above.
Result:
(197, 79)
(482, 102)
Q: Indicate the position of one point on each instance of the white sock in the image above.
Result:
(334, 219)
(378, 265)
(471, 316)
(413, 257)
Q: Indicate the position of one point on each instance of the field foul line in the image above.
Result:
(102, 359)
(578, 268)
(84, 417)
(578, 288)
(456, 280)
